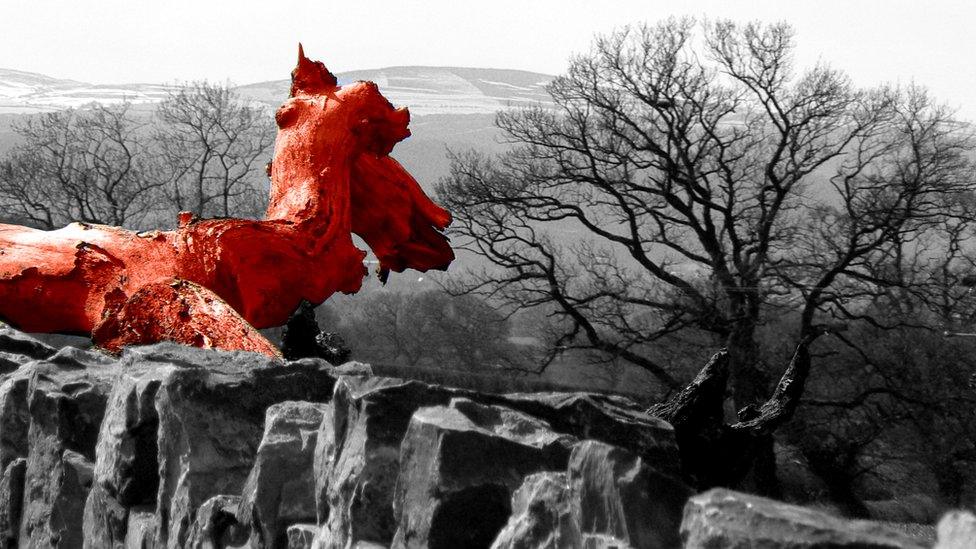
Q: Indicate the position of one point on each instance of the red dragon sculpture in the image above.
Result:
(211, 282)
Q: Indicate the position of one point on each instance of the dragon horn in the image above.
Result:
(310, 77)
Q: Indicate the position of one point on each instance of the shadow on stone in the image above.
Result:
(471, 518)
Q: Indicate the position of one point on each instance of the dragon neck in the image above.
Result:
(311, 191)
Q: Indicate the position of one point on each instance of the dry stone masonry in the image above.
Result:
(179, 447)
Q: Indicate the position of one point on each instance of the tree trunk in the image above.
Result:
(697, 415)
(750, 382)
(714, 453)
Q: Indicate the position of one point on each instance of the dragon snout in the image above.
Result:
(399, 122)
(382, 133)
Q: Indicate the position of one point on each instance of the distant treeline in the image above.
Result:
(202, 150)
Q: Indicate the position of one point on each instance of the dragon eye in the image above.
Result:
(286, 114)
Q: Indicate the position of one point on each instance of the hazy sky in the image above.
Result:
(244, 41)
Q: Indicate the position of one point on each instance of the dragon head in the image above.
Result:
(328, 131)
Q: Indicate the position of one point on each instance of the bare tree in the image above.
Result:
(213, 148)
(696, 182)
(85, 165)
(702, 181)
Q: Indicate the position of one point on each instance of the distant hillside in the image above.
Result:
(451, 107)
(28, 92)
(434, 90)
(425, 90)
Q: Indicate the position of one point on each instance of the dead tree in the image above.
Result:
(89, 164)
(699, 187)
(213, 147)
(693, 182)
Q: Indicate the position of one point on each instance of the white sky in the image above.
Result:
(244, 41)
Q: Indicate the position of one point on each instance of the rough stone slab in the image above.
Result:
(615, 420)
(18, 343)
(67, 394)
(357, 456)
(11, 500)
(621, 497)
(126, 462)
(10, 362)
(956, 530)
(216, 526)
(211, 412)
(544, 515)
(302, 536)
(351, 368)
(14, 416)
(169, 354)
(723, 518)
(141, 528)
(53, 510)
(280, 489)
(105, 521)
(358, 447)
(458, 468)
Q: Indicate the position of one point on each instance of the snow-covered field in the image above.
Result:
(435, 90)
(425, 90)
(26, 92)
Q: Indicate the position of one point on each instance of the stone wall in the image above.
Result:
(171, 446)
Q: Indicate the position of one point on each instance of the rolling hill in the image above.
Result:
(451, 107)
(27, 92)
(434, 90)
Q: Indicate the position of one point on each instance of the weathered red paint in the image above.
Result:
(211, 282)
